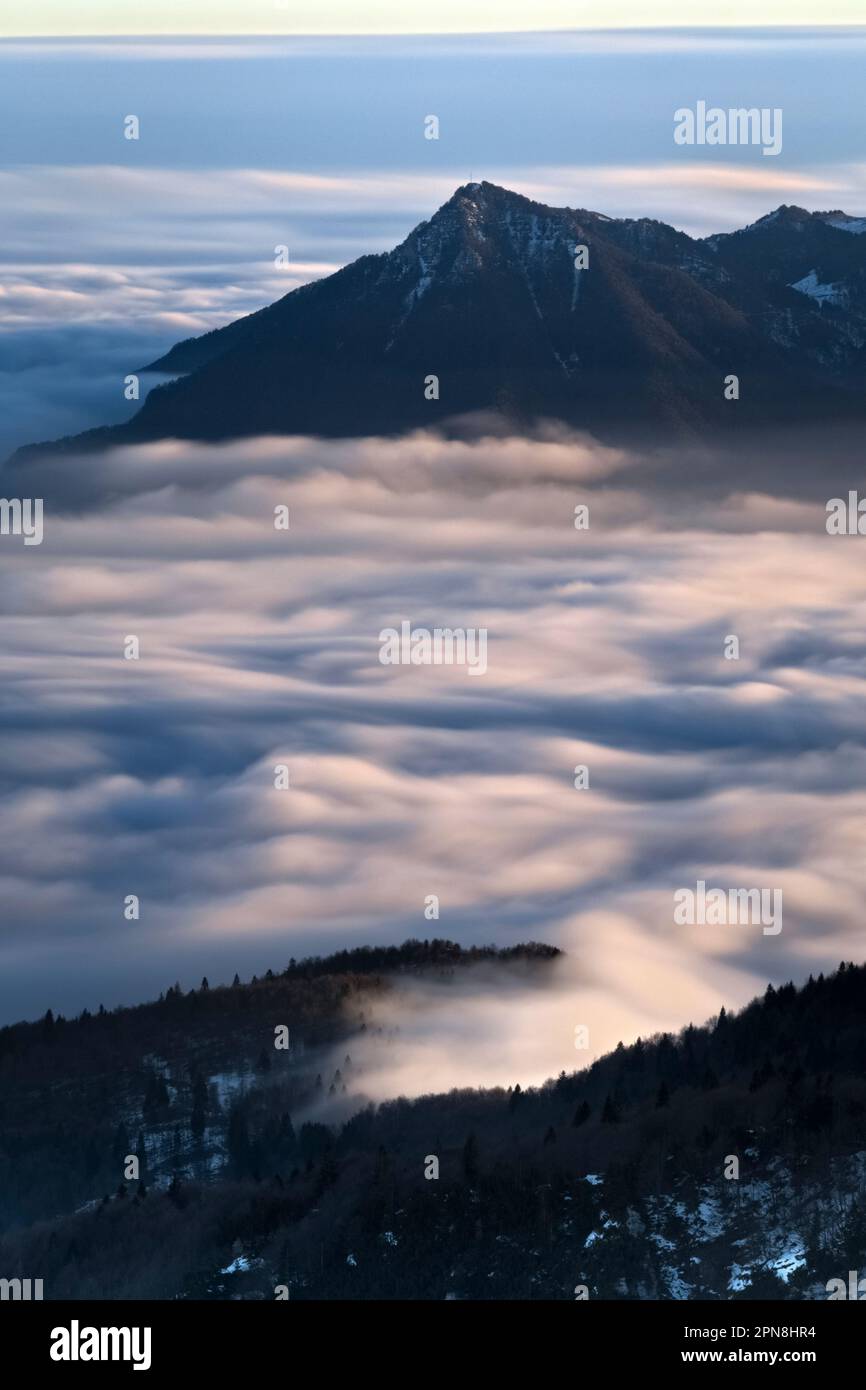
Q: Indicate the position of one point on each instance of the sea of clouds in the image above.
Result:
(260, 646)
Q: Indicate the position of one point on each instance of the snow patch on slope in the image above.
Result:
(823, 294)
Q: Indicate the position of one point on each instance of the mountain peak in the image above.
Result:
(488, 297)
(483, 197)
(477, 192)
(790, 217)
(471, 190)
(785, 213)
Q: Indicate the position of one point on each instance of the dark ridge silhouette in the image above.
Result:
(486, 296)
(615, 1177)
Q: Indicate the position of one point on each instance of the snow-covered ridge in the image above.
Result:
(843, 222)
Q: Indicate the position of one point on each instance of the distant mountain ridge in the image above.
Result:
(486, 297)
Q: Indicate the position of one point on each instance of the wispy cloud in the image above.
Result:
(192, 249)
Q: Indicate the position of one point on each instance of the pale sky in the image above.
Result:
(92, 17)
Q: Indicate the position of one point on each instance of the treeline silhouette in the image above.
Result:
(68, 1085)
(345, 1210)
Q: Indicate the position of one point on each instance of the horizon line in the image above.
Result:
(744, 28)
